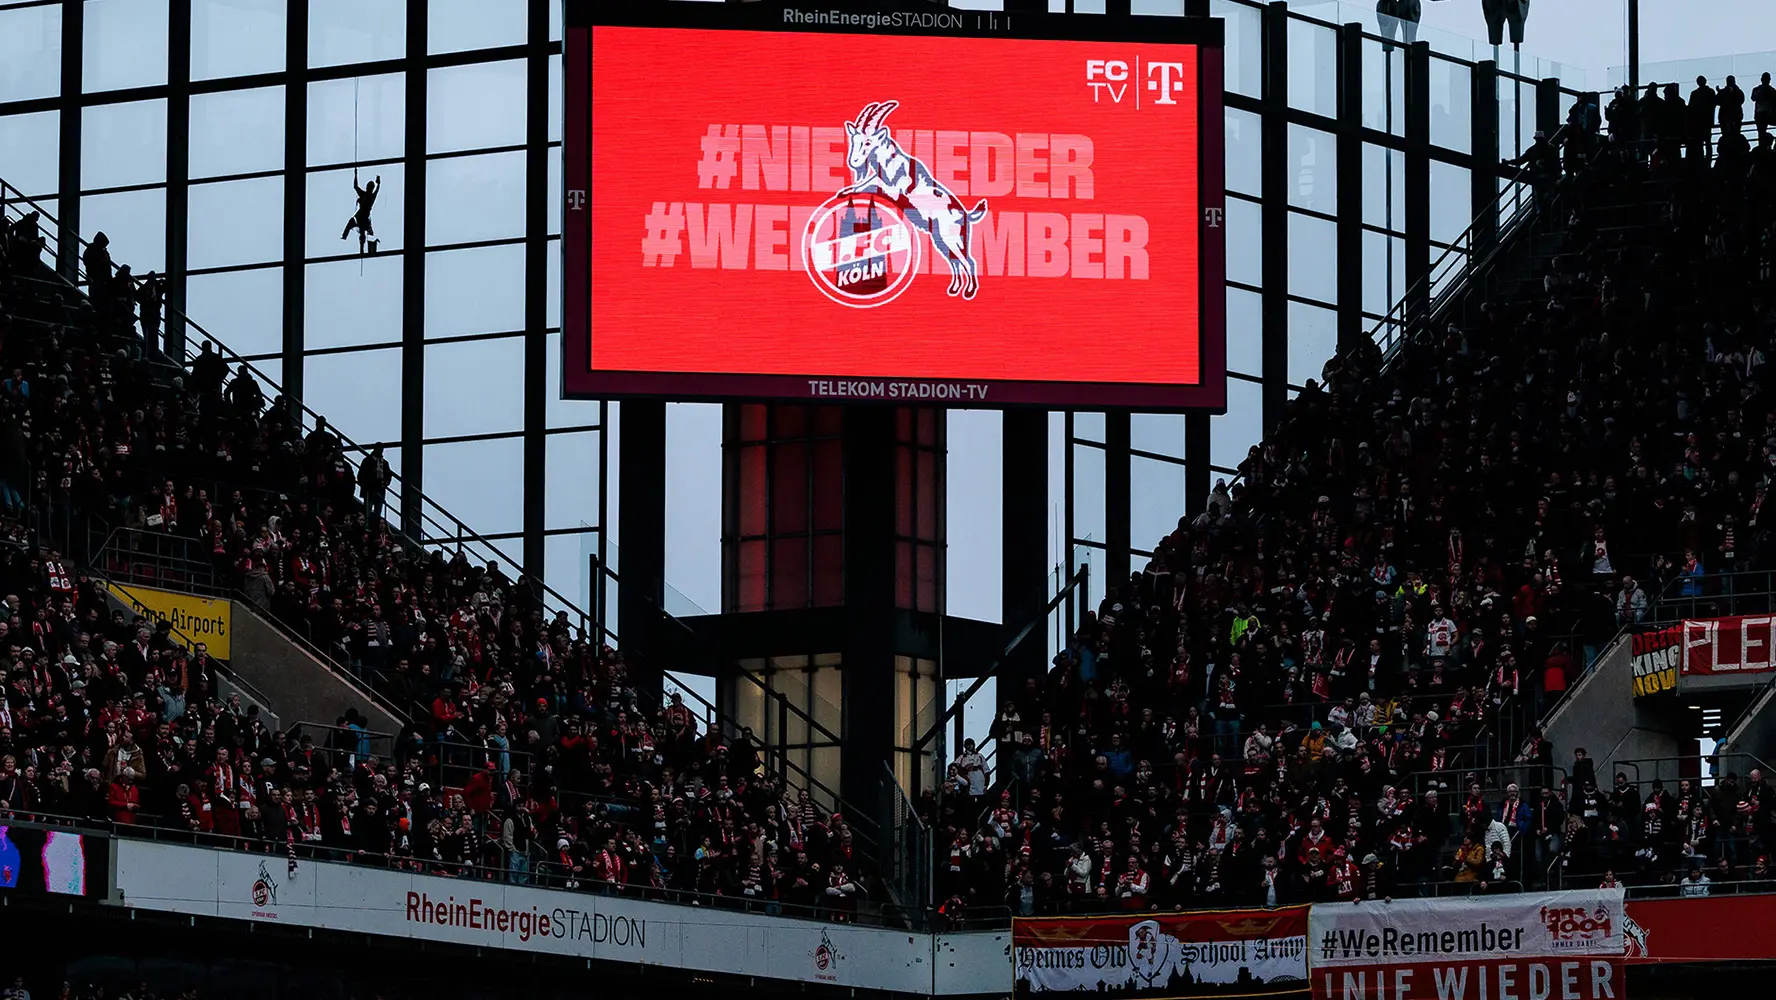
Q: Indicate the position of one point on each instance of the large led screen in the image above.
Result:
(770, 201)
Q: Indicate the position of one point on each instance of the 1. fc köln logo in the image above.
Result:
(865, 244)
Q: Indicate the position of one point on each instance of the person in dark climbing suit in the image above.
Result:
(361, 221)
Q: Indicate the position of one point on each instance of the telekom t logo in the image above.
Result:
(1165, 79)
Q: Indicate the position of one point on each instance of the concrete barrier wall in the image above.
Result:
(1600, 714)
(298, 684)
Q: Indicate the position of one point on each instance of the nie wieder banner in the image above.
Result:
(1230, 953)
(1525, 946)
(768, 201)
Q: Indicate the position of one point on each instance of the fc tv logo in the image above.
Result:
(1110, 81)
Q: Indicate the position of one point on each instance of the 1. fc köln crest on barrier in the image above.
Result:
(865, 243)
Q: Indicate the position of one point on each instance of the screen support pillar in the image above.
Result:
(1418, 183)
(641, 537)
(869, 681)
(1024, 581)
(1273, 216)
(1351, 329)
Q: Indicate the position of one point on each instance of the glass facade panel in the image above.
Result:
(1313, 258)
(241, 309)
(474, 387)
(237, 132)
(1088, 493)
(1313, 67)
(461, 25)
(125, 44)
(1245, 243)
(357, 391)
(1160, 433)
(352, 303)
(481, 482)
(123, 144)
(1452, 203)
(30, 52)
(1156, 500)
(1384, 87)
(236, 222)
(1313, 339)
(570, 494)
(1384, 188)
(1244, 26)
(28, 148)
(352, 31)
(1384, 272)
(1245, 152)
(1241, 427)
(472, 198)
(1313, 169)
(475, 107)
(1245, 332)
(236, 37)
(1452, 105)
(356, 120)
(136, 223)
(474, 291)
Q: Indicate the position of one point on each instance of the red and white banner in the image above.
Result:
(1702, 929)
(1528, 946)
(1739, 645)
(1223, 953)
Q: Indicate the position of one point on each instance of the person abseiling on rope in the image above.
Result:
(361, 221)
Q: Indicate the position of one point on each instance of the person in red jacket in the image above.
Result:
(478, 790)
(125, 799)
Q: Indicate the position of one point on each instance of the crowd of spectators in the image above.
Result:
(1300, 696)
(532, 753)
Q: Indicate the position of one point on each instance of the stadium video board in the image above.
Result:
(786, 201)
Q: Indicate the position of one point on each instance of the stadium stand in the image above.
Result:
(531, 756)
(1303, 696)
(1300, 698)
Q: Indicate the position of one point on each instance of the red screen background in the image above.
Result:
(656, 92)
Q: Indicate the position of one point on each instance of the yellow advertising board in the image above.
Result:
(194, 619)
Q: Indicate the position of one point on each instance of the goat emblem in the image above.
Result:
(900, 189)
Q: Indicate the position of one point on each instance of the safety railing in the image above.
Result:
(1714, 595)
(158, 559)
(1035, 627)
(1484, 237)
(531, 867)
(1684, 888)
(908, 871)
(228, 674)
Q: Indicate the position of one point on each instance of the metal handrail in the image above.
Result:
(289, 632)
(234, 677)
(1399, 317)
(1082, 574)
